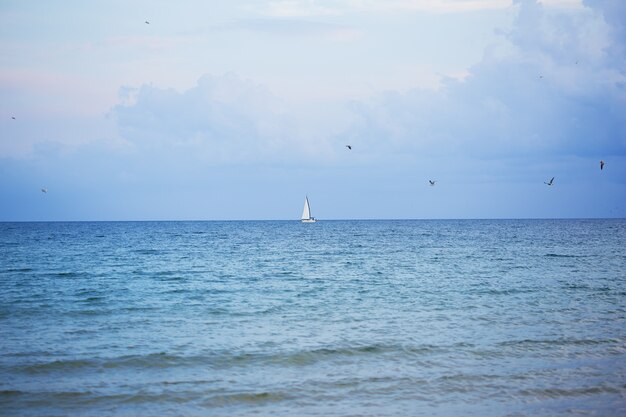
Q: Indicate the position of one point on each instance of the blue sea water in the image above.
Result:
(336, 318)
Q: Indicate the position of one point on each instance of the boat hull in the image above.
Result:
(308, 220)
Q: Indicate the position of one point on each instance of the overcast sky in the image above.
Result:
(238, 109)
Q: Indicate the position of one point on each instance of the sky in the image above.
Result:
(213, 110)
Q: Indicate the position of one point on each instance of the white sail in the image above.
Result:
(306, 212)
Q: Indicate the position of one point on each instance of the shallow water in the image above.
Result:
(385, 318)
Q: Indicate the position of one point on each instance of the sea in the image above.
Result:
(334, 318)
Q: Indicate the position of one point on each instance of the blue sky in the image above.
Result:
(237, 110)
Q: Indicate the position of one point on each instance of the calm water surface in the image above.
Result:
(337, 318)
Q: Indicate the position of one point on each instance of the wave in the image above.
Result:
(555, 393)
(88, 397)
(19, 270)
(557, 342)
(68, 274)
(510, 291)
(245, 398)
(213, 359)
(153, 360)
(93, 299)
(148, 251)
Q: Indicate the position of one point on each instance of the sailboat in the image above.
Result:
(306, 212)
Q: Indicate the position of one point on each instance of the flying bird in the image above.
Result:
(349, 147)
(432, 183)
(13, 117)
(601, 165)
(549, 182)
(44, 190)
(147, 23)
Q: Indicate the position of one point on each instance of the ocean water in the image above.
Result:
(336, 318)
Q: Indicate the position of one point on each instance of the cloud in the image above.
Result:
(614, 14)
(220, 117)
(555, 89)
(223, 119)
(552, 91)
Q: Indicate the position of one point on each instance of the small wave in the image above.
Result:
(152, 360)
(93, 299)
(10, 244)
(19, 270)
(10, 393)
(68, 274)
(147, 251)
(510, 291)
(554, 393)
(560, 255)
(556, 342)
(246, 398)
(56, 366)
(92, 398)
(138, 308)
(177, 291)
(309, 357)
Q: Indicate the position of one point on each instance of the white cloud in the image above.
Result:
(554, 91)
(223, 119)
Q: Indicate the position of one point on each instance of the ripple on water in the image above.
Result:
(480, 317)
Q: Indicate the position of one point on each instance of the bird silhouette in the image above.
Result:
(44, 190)
(13, 117)
(147, 23)
(601, 165)
(431, 182)
(349, 147)
(549, 182)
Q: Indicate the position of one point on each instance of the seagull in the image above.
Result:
(601, 165)
(349, 147)
(44, 190)
(432, 183)
(549, 182)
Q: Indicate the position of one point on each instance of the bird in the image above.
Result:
(432, 183)
(349, 147)
(44, 190)
(549, 182)
(13, 117)
(601, 165)
(147, 23)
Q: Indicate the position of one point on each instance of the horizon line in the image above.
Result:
(322, 220)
